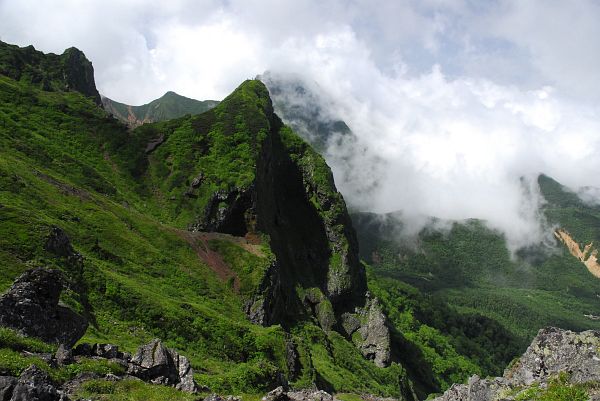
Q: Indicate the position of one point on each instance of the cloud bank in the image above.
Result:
(461, 104)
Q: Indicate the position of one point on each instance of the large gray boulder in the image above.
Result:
(553, 351)
(33, 385)
(158, 364)
(31, 307)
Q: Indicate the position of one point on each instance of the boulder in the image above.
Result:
(64, 355)
(555, 350)
(156, 363)
(31, 307)
(35, 385)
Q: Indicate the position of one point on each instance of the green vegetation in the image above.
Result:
(13, 340)
(473, 297)
(559, 389)
(65, 162)
(127, 390)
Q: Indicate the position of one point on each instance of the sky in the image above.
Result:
(461, 103)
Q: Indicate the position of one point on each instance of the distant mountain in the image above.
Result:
(467, 265)
(305, 108)
(169, 106)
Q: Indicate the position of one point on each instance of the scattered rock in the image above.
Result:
(108, 351)
(280, 394)
(31, 307)
(216, 397)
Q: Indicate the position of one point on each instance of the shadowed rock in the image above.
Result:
(35, 385)
(31, 307)
(156, 363)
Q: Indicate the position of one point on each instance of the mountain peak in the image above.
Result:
(68, 71)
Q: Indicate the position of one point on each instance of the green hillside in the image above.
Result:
(169, 106)
(469, 268)
(182, 227)
(223, 234)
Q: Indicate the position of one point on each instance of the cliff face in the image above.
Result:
(267, 180)
(68, 71)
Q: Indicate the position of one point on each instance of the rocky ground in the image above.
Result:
(556, 359)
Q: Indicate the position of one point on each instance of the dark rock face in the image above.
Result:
(7, 386)
(553, 351)
(35, 385)
(292, 359)
(59, 244)
(79, 74)
(156, 363)
(31, 307)
(230, 212)
(69, 71)
(315, 248)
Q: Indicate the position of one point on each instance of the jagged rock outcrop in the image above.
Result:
(227, 211)
(33, 385)
(280, 394)
(374, 341)
(160, 365)
(553, 352)
(31, 307)
(68, 71)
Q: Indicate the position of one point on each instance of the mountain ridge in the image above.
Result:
(169, 106)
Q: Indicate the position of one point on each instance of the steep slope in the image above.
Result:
(169, 106)
(124, 200)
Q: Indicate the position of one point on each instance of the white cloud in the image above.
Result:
(456, 100)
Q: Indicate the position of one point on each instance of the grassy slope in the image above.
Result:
(65, 162)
